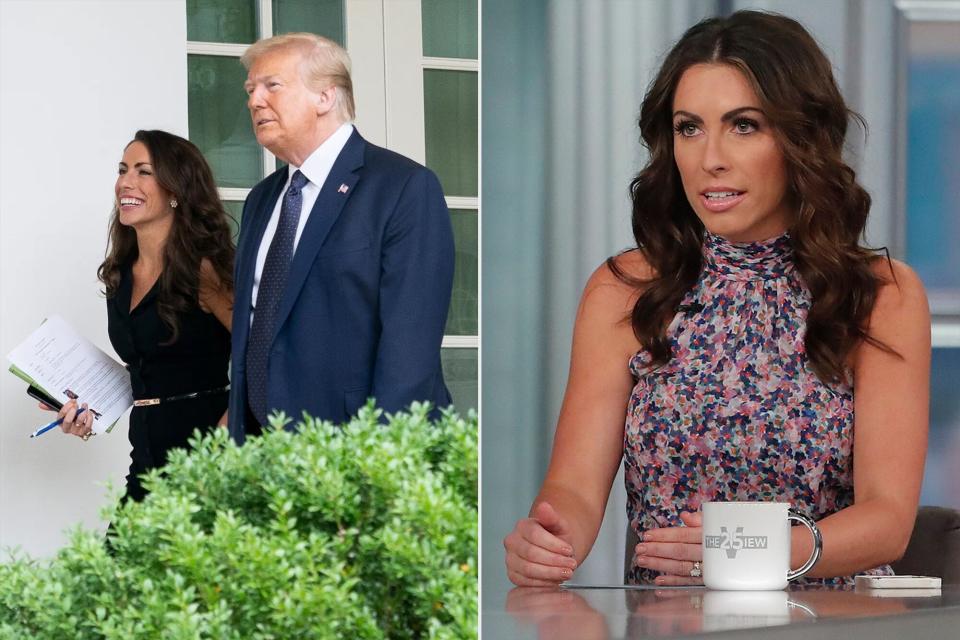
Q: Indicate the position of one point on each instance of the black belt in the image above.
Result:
(149, 402)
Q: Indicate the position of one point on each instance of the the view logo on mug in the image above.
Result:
(746, 545)
(733, 543)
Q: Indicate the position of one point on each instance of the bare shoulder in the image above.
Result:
(617, 287)
(901, 315)
(214, 297)
(901, 289)
(603, 322)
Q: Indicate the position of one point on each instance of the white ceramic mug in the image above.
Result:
(746, 545)
(724, 610)
(728, 610)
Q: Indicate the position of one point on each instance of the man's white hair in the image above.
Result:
(324, 62)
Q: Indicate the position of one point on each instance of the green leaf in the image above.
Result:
(363, 530)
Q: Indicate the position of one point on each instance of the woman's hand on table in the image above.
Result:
(672, 551)
(539, 549)
(560, 614)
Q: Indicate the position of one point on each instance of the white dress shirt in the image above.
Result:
(315, 168)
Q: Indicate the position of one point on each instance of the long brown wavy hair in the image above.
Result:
(200, 229)
(794, 82)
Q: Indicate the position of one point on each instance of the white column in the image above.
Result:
(79, 78)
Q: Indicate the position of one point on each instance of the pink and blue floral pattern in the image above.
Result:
(737, 413)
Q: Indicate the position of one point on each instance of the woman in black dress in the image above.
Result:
(168, 277)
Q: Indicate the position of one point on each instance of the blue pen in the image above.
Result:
(56, 423)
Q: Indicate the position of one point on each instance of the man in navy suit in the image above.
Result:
(345, 258)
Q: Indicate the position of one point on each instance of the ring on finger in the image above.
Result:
(697, 570)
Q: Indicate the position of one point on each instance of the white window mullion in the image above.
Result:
(217, 49)
(265, 22)
(365, 43)
(269, 162)
(231, 193)
(403, 47)
(451, 64)
(462, 202)
(461, 342)
(265, 18)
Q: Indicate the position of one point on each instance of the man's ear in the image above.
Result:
(325, 100)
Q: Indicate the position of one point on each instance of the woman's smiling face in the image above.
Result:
(733, 171)
(140, 198)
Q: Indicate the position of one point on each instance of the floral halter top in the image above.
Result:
(737, 413)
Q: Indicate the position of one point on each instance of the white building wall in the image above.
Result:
(77, 79)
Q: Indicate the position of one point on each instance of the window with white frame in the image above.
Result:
(450, 63)
(218, 32)
(415, 72)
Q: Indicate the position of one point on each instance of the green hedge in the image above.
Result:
(365, 530)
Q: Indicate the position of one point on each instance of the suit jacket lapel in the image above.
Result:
(333, 196)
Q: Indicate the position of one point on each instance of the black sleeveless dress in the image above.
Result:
(197, 361)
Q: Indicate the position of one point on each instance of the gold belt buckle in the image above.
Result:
(146, 402)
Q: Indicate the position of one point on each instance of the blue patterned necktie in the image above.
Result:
(272, 282)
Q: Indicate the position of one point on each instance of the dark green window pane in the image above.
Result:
(222, 21)
(449, 28)
(322, 17)
(462, 319)
(450, 120)
(234, 214)
(460, 374)
(220, 122)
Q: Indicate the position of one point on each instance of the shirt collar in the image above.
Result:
(318, 164)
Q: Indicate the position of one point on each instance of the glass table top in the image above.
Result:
(602, 613)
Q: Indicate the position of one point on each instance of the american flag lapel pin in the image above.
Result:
(343, 188)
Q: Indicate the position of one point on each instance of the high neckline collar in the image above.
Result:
(761, 260)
